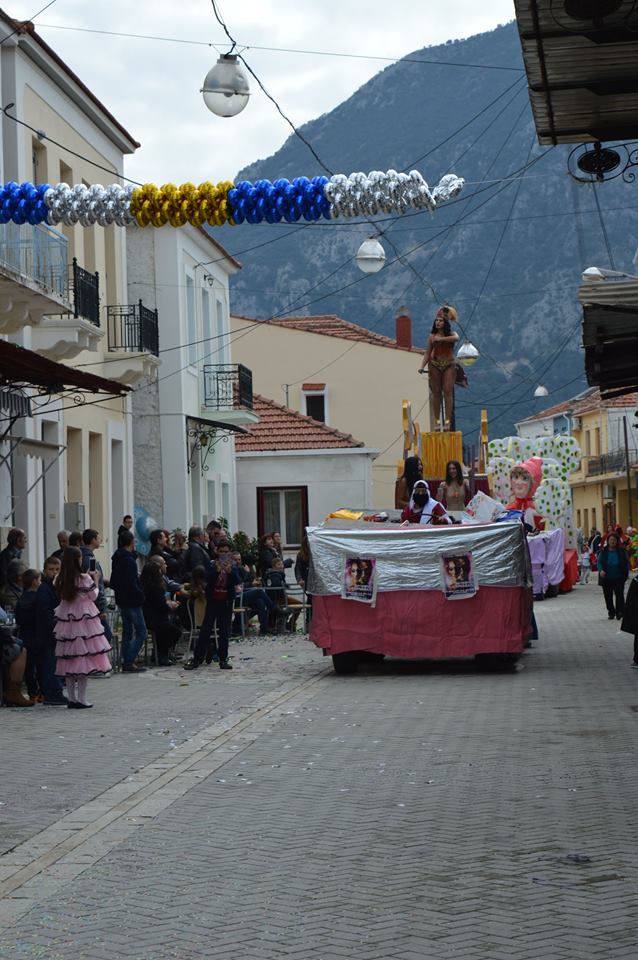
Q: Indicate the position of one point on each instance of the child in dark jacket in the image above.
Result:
(46, 600)
(25, 614)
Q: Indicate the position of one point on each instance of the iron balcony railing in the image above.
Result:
(606, 463)
(133, 328)
(37, 253)
(85, 288)
(228, 386)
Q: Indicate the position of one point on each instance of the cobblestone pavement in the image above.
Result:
(411, 811)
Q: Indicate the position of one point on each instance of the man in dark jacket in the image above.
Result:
(222, 585)
(16, 542)
(129, 596)
(46, 600)
(196, 554)
(159, 548)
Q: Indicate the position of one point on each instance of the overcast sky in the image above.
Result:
(152, 86)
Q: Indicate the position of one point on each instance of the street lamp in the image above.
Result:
(541, 391)
(468, 354)
(595, 274)
(370, 256)
(226, 89)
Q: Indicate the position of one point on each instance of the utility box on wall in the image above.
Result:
(74, 516)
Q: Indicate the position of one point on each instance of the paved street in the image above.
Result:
(411, 811)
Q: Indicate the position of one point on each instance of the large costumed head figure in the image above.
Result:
(531, 475)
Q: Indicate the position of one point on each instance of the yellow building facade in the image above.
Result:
(604, 487)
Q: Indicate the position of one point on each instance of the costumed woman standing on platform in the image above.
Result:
(454, 492)
(440, 357)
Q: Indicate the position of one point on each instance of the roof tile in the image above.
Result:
(280, 428)
(330, 325)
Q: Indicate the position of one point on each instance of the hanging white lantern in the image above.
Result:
(541, 391)
(468, 354)
(226, 89)
(370, 256)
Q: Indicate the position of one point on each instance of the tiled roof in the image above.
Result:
(330, 325)
(280, 428)
(584, 403)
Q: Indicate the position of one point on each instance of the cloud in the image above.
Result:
(152, 87)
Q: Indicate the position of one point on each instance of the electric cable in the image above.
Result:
(314, 53)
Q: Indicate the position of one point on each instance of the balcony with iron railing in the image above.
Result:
(85, 293)
(133, 328)
(228, 393)
(605, 463)
(133, 339)
(227, 386)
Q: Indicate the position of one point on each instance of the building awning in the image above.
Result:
(610, 338)
(580, 57)
(25, 368)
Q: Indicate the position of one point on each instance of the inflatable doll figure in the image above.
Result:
(525, 478)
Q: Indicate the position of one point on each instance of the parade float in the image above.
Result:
(383, 587)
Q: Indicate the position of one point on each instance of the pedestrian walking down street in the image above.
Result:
(585, 565)
(613, 570)
(81, 648)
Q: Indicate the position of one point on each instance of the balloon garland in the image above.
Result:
(355, 195)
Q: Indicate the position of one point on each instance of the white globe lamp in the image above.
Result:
(226, 89)
(541, 391)
(468, 354)
(370, 256)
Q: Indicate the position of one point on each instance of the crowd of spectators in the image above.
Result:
(196, 584)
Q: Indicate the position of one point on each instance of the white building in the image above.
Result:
(183, 423)
(62, 293)
(292, 471)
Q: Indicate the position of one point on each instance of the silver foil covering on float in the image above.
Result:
(408, 558)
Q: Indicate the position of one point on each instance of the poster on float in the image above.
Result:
(458, 576)
(360, 579)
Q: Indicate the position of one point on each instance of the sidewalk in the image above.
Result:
(411, 811)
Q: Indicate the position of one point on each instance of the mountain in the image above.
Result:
(509, 257)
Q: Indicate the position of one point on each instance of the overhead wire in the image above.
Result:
(253, 46)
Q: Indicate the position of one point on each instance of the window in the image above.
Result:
(316, 406)
(208, 344)
(597, 449)
(578, 518)
(283, 510)
(39, 160)
(593, 516)
(315, 401)
(220, 343)
(586, 519)
(191, 321)
(587, 443)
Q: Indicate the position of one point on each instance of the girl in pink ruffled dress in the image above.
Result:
(81, 648)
